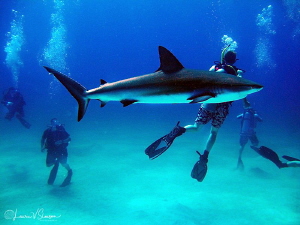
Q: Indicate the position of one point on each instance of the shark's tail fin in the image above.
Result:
(76, 90)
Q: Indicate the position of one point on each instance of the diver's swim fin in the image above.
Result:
(23, 122)
(67, 180)
(53, 173)
(269, 154)
(161, 145)
(289, 158)
(200, 168)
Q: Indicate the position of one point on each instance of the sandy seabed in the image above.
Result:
(114, 182)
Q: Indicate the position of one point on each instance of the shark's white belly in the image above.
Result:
(164, 98)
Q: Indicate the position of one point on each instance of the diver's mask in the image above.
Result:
(54, 123)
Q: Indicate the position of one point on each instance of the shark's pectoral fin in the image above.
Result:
(201, 97)
(127, 102)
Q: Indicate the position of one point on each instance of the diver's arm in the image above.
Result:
(67, 140)
(19, 100)
(258, 118)
(64, 141)
(213, 68)
(44, 137)
(240, 116)
(240, 73)
(221, 71)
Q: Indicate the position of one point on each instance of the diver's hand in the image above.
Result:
(6, 103)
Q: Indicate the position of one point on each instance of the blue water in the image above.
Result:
(114, 182)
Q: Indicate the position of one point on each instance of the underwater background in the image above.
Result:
(114, 182)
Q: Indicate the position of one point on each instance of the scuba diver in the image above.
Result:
(14, 102)
(214, 112)
(55, 139)
(249, 119)
(228, 58)
(273, 157)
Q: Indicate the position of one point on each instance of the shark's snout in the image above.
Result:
(256, 87)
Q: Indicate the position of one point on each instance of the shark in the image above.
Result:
(170, 83)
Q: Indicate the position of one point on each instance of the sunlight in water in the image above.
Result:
(266, 30)
(14, 46)
(55, 52)
(293, 13)
(229, 41)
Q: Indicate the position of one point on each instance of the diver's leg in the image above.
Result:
(218, 118)
(194, 127)
(67, 180)
(240, 164)
(203, 117)
(269, 154)
(293, 164)
(66, 166)
(50, 161)
(243, 142)
(23, 121)
(254, 140)
(200, 168)
(21, 111)
(162, 144)
(53, 173)
(10, 114)
(211, 138)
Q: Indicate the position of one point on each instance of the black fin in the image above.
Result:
(200, 168)
(67, 180)
(23, 121)
(102, 104)
(102, 82)
(162, 144)
(53, 173)
(268, 154)
(127, 102)
(168, 62)
(289, 158)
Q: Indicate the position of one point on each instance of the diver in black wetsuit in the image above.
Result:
(273, 157)
(55, 139)
(14, 102)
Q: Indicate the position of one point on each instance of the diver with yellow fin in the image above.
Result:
(228, 58)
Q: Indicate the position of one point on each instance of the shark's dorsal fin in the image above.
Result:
(168, 62)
